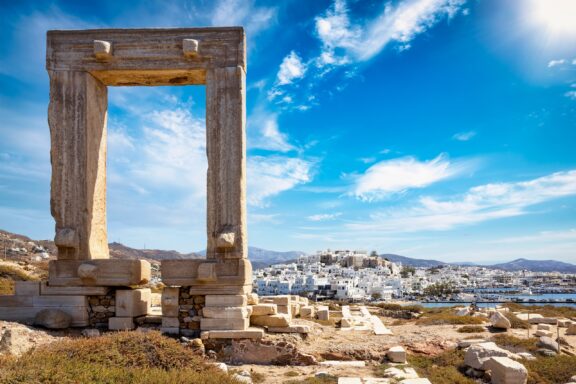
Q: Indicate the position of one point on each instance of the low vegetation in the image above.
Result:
(544, 310)
(515, 322)
(515, 344)
(399, 307)
(315, 380)
(445, 368)
(551, 370)
(125, 357)
(10, 273)
(472, 329)
(446, 315)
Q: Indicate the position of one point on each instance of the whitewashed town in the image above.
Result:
(354, 275)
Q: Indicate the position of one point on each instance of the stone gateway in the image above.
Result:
(81, 65)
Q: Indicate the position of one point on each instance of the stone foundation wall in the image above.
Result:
(101, 308)
(190, 310)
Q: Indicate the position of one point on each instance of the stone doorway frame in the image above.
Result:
(81, 65)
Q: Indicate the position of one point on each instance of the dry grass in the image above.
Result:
(544, 310)
(445, 368)
(14, 272)
(6, 286)
(126, 357)
(515, 344)
(315, 380)
(9, 274)
(551, 370)
(440, 316)
(516, 322)
(471, 329)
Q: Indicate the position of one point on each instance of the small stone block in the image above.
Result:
(396, 354)
(27, 288)
(307, 312)
(170, 297)
(225, 312)
(279, 300)
(120, 323)
(226, 301)
(133, 302)
(250, 333)
(290, 329)
(264, 309)
(170, 331)
(102, 49)
(223, 324)
(190, 47)
(170, 322)
(323, 313)
(285, 309)
(280, 320)
(252, 299)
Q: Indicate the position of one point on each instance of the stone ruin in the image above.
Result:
(84, 282)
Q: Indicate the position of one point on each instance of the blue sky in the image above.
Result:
(428, 128)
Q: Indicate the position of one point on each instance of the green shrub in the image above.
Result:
(15, 273)
(125, 357)
(315, 380)
(471, 329)
(441, 318)
(544, 310)
(515, 322)
(445, 368)
(515, 344)
(551, 370)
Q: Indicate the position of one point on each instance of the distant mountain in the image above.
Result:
(121, 251)
(421, 263)
(261, 258)
(536, 266)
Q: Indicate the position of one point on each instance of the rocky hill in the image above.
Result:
(537, 265)
(419, 263)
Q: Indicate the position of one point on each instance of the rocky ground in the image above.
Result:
(324, 342)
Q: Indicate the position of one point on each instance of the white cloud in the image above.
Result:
(171, 153)
(555, 63)
(264, 132)
(292, 68)
(464, 136)
(324, 216)
(478, 204)
(571, 95)
(399, 24)
(269, 176)
(242, 12)
(398, 175)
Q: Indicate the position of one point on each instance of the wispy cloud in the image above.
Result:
(264, 132)
(243, 12)
(555, 63)
(464, 136)
(269, 176)
(399, 23)
(345, 42)
(291, 68)
(571, 95)
(478, 204)
(389, 177)
(324, 216)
